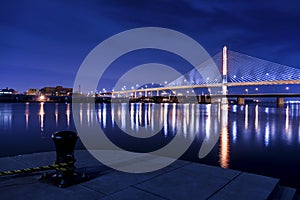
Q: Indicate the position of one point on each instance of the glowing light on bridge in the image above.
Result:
(225, 61)
(237, 70)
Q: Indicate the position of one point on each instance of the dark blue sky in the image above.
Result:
(43, 42)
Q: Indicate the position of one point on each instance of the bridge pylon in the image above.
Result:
(224, 75)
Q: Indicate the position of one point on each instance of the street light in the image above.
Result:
(246, 90)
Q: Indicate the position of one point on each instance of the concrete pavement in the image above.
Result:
(180, 180)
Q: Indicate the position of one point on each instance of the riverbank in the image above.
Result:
(181, 179)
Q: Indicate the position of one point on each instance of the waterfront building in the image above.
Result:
(32, 91)
(8, 91)
(56, 91)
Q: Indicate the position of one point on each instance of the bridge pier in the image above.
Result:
(204, 99)
(241, 101)
(280, 102)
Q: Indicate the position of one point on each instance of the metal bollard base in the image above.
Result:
(66, 181)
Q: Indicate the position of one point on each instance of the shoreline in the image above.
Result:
(181, 179)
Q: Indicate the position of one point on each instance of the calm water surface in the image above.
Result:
(261, 139)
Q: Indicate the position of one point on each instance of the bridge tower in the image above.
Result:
(224, 74)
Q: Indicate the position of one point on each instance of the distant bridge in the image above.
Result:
(237, 70)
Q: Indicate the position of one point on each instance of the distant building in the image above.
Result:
(56, 91)
(8, 91)
(32, 92)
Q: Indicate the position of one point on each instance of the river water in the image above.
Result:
(257, 138)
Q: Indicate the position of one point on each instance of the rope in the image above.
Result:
(60, 167)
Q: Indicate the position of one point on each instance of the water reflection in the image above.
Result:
(288, 130)
(56, 114)
(208, 122)
(5, 116)
(267, 134)
(88, 114)
(80, 114)
(224, 140)
(246, 117)
(27, 115)
(261, 134)
(41, 117)
(235, 125)
(68, 114)
(113, 115)
(256, 118)
(287, 119)
(234, 131)
(104, 115)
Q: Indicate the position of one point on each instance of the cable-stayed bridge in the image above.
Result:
(232, 69)
(241, 70)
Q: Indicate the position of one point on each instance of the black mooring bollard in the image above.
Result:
(65, 146)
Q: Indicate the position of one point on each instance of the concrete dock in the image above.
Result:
(180, 180)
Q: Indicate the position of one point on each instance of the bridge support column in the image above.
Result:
(202, 99)
(280, 102)
(241, 101)
(224, 77)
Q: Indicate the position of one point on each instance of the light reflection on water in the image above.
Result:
(6, 116)
(224, 140)
(27, 115)
(250, 136)
(269, 123)
(41, 117)
(261, 122)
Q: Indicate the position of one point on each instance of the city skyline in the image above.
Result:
(40, 47)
